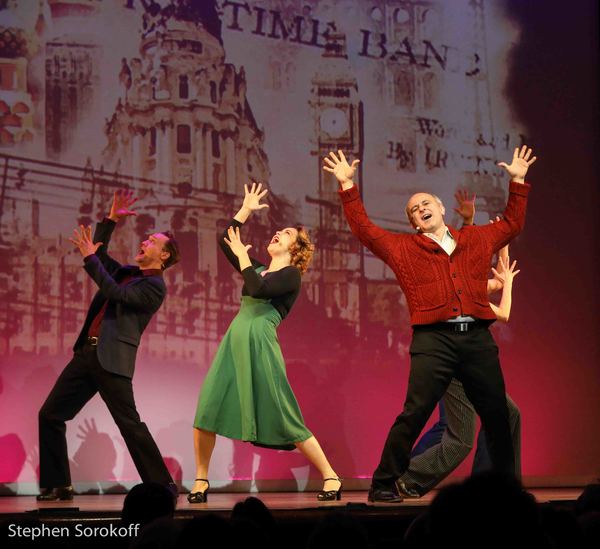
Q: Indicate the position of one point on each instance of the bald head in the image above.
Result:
(425, 212)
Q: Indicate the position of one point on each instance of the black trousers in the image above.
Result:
(438, 355)
(82, 378)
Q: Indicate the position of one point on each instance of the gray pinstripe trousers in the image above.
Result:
(426, 470)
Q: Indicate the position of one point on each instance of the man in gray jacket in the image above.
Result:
(104, 353)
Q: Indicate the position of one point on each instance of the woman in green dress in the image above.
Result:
(246, 394)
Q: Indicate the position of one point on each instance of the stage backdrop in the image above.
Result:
(184, 101)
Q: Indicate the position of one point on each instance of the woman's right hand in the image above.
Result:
(253, 196)
(505, 271)
(466, 206)
(234, 241)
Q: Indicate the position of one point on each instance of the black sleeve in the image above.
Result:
(103, 233)
(231, 257)
(282, 282)
(146, 295)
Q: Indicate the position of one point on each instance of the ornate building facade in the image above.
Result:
(184, 136)
(185, 132)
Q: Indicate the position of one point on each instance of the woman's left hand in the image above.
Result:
(253, 196)
(235, 243)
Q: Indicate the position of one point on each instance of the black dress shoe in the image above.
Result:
(62, 493)
(405, 491)
(383, 495)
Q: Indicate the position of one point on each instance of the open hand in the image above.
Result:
(235, 243)
(82, 238)
(520, 164)
(252, 197)
(121, 206)
(338, 166)
(466, 205)
(505, 273)
(87, 430)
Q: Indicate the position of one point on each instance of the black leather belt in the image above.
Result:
(460, 327)
(92, 340)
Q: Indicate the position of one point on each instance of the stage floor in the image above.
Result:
(296, 515)
(111, 504)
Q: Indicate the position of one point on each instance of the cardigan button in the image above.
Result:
(454, 310)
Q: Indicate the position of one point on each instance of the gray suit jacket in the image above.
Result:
(129, 310)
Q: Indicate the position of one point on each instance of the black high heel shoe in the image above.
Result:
(331, 495)
(199, 497)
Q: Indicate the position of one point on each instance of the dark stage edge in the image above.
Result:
(295, 512)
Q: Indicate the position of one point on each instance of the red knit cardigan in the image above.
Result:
(438, 286)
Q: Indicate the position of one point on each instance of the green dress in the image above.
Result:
(246, 394)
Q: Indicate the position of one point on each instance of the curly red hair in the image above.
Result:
(302, 250)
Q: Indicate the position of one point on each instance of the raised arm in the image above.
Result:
(102, 235)
(375, 238)
(506, 273)
(251, 204)
(501, 233)
(120, 208)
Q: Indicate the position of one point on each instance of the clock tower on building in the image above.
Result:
(337, 115)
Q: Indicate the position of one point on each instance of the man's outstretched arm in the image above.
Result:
(501, 233)
(121, 207)
(375, 238)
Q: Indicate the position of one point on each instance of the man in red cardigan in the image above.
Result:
(443, 273)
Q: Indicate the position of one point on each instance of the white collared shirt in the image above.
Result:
(447, 242)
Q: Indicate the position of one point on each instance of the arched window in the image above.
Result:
(152, 144)
(404, 89)
(216, 144)
(184, 139)
(430, 90)
(184, 89)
